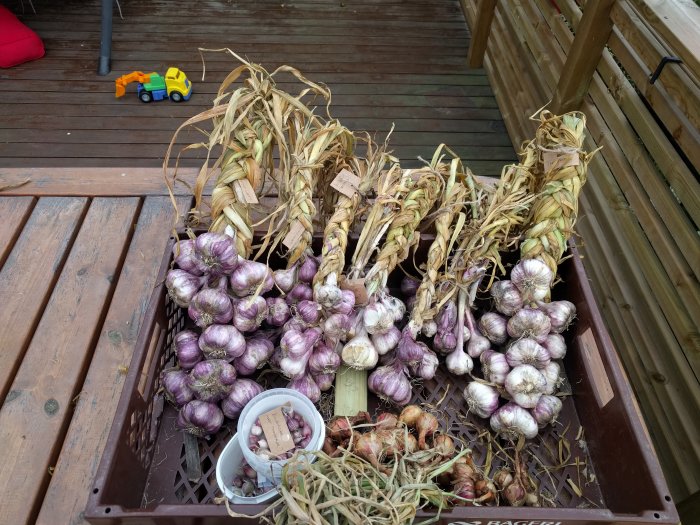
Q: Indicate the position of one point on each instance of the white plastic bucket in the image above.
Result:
(227, 466)
(269, 400)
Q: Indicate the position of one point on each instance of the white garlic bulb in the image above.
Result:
(360, 353)
(527, 351)
(377, 318)
(429, 328)
(395, 306)
(546, 410)
(525, 384)
(533, 278)
(386, 341)
(494, 327)
(529, 322)
(506, 297)
(551, 373)
(494, 367)
(481, 399)
(512, 421)
(555, 345)
(458, 362)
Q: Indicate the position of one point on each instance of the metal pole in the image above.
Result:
(104, 65)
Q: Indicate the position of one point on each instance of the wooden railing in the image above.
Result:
(641, 205)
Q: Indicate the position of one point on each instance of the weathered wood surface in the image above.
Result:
(34, 418)
(97, 401)
(640, 207)
(387, 62)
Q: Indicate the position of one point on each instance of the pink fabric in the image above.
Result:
(18, 43)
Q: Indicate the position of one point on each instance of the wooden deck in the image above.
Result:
(80, 247)
(388, 61)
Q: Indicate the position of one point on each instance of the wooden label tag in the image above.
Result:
(346, 182)
(602, 389)
(274, 426)
(296, 230)
(559, 160)
(357, 287)
(245, 192)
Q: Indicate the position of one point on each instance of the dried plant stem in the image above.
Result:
(335, 235)
(559, 140)
(447, 229)
(392, 186)
(403, 232)
(249, 123)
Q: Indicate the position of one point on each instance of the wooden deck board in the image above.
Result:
(386, 62)
(33, 422)
(14, 212)
(31, 268)
(99, 394)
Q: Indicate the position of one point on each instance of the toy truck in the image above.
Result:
(152, 86)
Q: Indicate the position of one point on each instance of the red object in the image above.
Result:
(18, 43)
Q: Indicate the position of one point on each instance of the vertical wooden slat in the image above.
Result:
(480, 33)
(14, 212)
(28, 276)
(583, 57)
(82, 448)
(33, 422)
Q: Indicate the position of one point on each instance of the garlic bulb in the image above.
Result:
(217, 252)
(546, 410)
(307, 269)
(529, 322)
(211, 305)
(494, 367)
(250, 278)
(328, 295)
(445, 341)
(561, 314)
(525, 384)
(386, 341)
(533, 278)
(481, 399)
(395, 306)
(182, 286)
(555, 345)
(390, 383)
(551, 374)
(429, 328)
(527, 351)
(377, 318)
(337, 326)
(478, 344)
(506, 297)
(458, 362)
(427, 366)
(494, 327)
(285, 279)
(360, 353)
(186, 259)
(346, 303)
(512, 421)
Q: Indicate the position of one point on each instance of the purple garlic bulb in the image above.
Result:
(183, 286)
(200, 418)
(187, 349)
(186, 259)
(212, 380)
(176, 385)
(221, 341)
(217, 253)
(242, 392)
(251, 278)
(210, 306)
(390, 383)
(258, 350)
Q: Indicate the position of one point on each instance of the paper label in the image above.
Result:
(346, 182)
(296, 230)
(602, 389)
(245, 192)
(357, 287)
(559, 160)
(274, 426)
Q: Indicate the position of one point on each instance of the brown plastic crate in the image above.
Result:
(142, 476)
